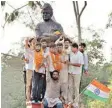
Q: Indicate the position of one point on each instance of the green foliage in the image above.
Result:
(3, 3)
(95, 47)
(109, 24)
(6, 16)
(30, 16)
(92, 103)
(32, 4)
(97, 69)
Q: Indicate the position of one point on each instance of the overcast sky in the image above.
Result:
(95, 14)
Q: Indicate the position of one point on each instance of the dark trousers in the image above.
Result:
(38, 86)
(24, 77)
(58, 105)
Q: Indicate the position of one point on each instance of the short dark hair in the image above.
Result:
(59, 44)
(55, 71)
(38, 44)
(66, 39)
(75, 45)
(43, 40)
(82, 44)
(52, 45)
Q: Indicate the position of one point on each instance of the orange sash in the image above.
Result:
(56, 60)
(38, 59)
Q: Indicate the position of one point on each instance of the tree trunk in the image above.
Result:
(78, 16)
(79, 31)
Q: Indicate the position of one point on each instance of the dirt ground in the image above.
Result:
(12, 85)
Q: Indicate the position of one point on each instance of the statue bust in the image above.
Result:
(48, 27)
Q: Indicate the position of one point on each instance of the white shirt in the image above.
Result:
(68, 50)
(29, 54)
(85, 61)
(76, 58)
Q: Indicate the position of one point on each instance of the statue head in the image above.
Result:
(47, 12)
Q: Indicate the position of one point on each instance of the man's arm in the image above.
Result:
(26, 43)
(48, 77)
(75, 64)
(85, 62)
(60, 40)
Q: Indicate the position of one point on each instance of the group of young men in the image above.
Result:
(53, 72)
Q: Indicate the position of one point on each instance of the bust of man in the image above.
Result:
(48, 27)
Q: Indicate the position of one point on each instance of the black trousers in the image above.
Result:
(24, 77)
(38, 86)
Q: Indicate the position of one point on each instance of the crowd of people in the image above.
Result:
(53, 72)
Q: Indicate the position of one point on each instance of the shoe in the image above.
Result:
(39, 102)
(33, 101)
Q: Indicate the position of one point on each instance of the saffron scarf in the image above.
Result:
(56, 61)
(38, 59)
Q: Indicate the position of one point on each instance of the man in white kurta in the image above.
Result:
(64, 70)
(75, 67)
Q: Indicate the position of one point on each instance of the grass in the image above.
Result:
(12, 84)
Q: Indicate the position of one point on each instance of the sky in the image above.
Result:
(95, 14)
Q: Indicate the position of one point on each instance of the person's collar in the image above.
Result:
(44, 49)
(48, 21)
(76, 52)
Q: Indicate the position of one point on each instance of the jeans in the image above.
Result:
(38, 86)
(58, 105)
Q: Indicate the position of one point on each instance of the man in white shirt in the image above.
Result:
(82, 47)
(64, 71)
(75, 67)
(38, 77)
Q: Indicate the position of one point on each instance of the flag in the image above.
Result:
(97, 90)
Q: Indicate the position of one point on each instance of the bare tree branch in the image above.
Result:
(39, 4)
(30, 17)
(14, 11)
(85, 4)
(77, 6)
(10, 5)
(74, 6)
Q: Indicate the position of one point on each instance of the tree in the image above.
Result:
(95, 54)
(78, 17)
(109, 24)
(29, 14)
